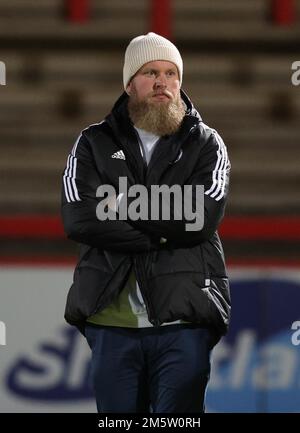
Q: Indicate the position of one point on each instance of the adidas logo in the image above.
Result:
(118, 155)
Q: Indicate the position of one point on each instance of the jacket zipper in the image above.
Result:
(140, 275)
(138, 261)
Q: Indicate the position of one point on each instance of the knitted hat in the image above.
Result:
(148, 48)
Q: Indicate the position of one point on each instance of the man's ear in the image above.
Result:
(128, 88)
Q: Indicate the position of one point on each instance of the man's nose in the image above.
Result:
(160, 81)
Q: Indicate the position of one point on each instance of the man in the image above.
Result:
(151, 297)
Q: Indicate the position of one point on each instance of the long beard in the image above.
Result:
(158, 118)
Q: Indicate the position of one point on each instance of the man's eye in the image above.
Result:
(150, 73)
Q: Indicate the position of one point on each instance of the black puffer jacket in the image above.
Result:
(184, 278)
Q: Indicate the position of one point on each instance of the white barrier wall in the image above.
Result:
(44, 363)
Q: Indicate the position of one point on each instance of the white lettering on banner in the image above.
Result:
(296, 335)
(221, 353)
(239, 355)
(276, 368)
(245, 345)
(272, 366)
(2, 334)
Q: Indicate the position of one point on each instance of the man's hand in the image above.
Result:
(111, 202)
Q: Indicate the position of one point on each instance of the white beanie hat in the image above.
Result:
(148, 48)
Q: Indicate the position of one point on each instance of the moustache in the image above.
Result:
(163, 92)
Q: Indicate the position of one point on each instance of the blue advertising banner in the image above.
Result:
(255, 368)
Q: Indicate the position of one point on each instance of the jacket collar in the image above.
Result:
(125, 134)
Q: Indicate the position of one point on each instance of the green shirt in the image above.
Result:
(127, 310)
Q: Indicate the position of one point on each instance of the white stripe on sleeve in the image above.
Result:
(217, 188)
(69, 177)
